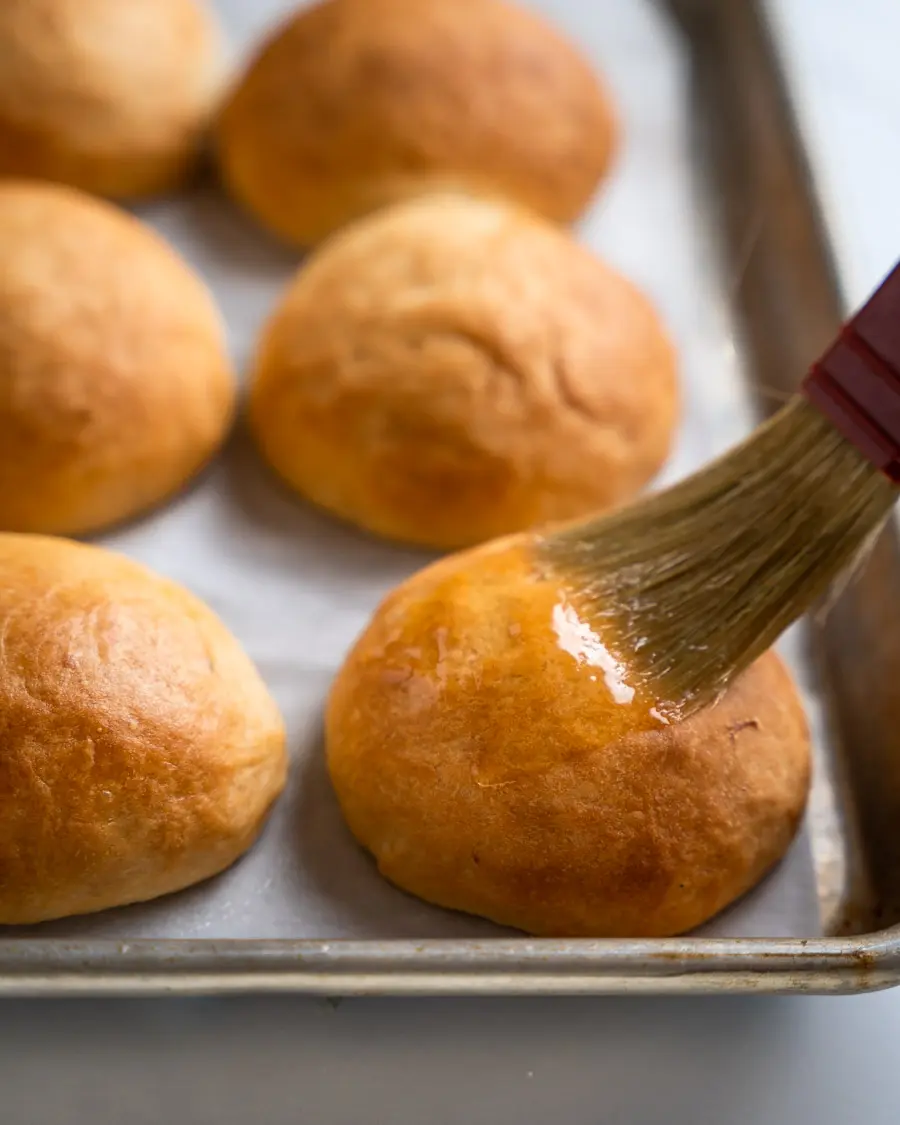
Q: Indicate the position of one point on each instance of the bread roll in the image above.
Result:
(450, 370)
(115, 386)
(111, 96)
(140, 749)
(353, 104)
(478, 751)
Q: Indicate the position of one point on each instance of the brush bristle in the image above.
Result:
(690, 585)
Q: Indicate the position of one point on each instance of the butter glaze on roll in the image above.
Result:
(488, 752)
(354, 104)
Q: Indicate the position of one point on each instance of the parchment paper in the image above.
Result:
(296, 587)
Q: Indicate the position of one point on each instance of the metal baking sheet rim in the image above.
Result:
(526, 966)
(518, 967)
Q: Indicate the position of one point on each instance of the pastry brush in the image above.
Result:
(689, 585)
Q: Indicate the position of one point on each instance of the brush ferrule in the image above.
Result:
(856, 383)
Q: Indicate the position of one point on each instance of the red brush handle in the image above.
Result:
(856, 383)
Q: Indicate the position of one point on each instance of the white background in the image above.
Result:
(726, 1061)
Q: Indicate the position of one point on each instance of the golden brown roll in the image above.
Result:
(480, 751)
(450, 370)
(111, 96)
(140, 749)
(353, 104)
(115, 386)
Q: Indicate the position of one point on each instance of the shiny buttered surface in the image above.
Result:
(115, 385)
(487, 749)
(353, 104)
(139, 749)
(453, 369)
(111, 96)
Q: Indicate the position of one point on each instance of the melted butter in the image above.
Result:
(632, 708)
(479, 629)
(578, 639)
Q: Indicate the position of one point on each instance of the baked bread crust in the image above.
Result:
(353, 104)
(450, 370)
(477, 753)
(115, 383)
(110, 96)
(139, 749)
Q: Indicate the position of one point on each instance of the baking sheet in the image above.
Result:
(296, 587)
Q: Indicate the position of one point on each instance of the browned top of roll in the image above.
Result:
(115, 383)
(139, 749)
(450, 369)
(355, 103)
(111, 96)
